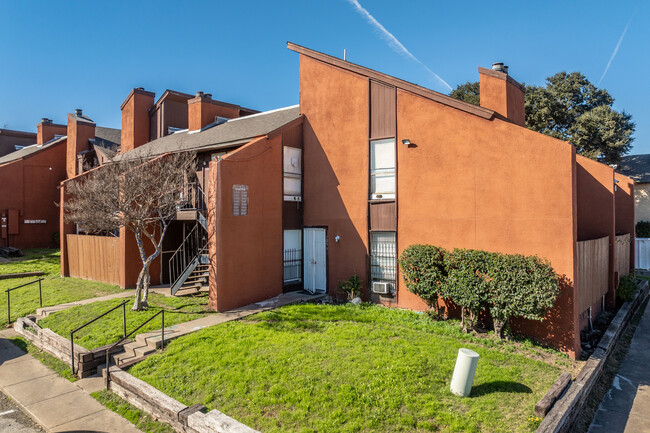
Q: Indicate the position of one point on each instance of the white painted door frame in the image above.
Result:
(315, 259)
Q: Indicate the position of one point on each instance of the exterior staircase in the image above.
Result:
(198, 280)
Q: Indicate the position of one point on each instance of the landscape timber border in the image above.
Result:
(566, 409)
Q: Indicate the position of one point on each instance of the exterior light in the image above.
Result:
(337, 238)
(406, 142)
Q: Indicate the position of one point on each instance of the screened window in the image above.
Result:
(292, 174)
(382, 256)
(382, 168)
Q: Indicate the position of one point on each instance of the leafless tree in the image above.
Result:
(142, 195)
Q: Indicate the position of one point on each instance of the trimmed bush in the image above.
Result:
(521, 286)
(627, 287)
(423, 268)
(643, 229)
(468, 282)
(508, 285)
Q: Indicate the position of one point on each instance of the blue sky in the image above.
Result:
(61, 55)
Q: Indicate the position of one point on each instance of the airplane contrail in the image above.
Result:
(618, 45)
(391, 39)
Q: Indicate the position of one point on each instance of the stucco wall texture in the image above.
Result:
(29, 185)
(246, 250)
(467, 182)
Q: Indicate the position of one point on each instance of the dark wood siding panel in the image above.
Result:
(383, 216)
(292, 137)
(382, 110)
(291, 215)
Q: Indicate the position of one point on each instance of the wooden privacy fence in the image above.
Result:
(623, 245)
(94, 258)
(593, 271)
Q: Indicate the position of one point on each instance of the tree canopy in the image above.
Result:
(569, 107)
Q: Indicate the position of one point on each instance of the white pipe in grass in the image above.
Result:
(463, 378)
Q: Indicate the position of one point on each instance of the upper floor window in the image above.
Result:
(292, 168)
(382, 168)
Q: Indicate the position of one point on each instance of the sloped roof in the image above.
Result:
(108, 138)
(636, 167)
(232, 132)
(30, 150)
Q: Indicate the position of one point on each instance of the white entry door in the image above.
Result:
(315, 250)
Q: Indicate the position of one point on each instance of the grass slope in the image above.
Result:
(141, 419)
(316, 368)
(56, 290)
(108, 329)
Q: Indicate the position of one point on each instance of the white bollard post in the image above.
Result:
(461, 381)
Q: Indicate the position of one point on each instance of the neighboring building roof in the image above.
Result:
(17, 134)
(233, 132)
(405, 85)
(636, 167)
(108, 138)
(30, 150)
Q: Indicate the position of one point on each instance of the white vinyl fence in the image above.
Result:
(642, 255)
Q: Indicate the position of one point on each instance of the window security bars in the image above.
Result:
(383, 265)
(292, 265)
(8, 291)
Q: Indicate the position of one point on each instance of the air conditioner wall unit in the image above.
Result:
(381, 288)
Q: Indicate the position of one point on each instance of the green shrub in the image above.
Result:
(643, 229)
(467, 283)
(521, 286)
(351, 287)
(627, 287)
(423, 268)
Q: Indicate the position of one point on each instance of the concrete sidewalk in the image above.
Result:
(626, 406)
(55, 403)
(46, 311)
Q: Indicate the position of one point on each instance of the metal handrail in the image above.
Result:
(162, 341)
(185, 254)
(122, 304)
(40, 296)
(195, 198)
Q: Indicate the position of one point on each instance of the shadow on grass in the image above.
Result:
(499, 386)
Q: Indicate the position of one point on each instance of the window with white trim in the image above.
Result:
(383, 260)
(382, 168)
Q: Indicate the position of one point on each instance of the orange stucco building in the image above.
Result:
(367, 164)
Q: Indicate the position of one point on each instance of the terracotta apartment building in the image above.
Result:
(30, 176)
(366, 165)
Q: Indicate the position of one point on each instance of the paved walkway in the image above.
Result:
(626, 406)
(46, 311)
(55, 403)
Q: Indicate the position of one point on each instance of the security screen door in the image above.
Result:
(315, 249)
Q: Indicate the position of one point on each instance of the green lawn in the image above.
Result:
(321, 368)
(56, 290)
(141, 419)
(108, 329)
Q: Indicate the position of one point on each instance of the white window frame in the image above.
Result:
(385, 172)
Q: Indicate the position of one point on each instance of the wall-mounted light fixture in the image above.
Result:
(406, 142)
(337, 238)
(615, 186)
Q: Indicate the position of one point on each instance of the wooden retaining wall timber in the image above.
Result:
(86, 361)
(94, 258)
(564, 413)
(166, 409)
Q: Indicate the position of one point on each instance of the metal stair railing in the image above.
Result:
(193, 197)
(8, 291)
(110, 349)
(186, 256)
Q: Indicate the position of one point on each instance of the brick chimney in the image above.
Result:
(501, 93)
(46, 130)
(80, 129)
(202, 111)
(135, 119)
